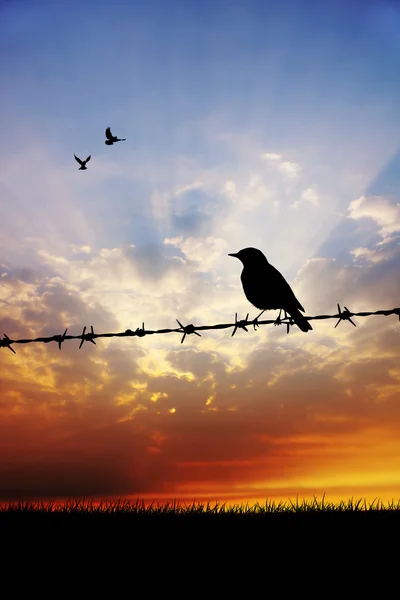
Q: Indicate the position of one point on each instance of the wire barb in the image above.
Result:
(345, 316)
(241, 324)
(6, 343)
(87, 337)
(288, 323)
(60, 338)
(187, 330)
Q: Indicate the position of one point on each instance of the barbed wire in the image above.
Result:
(345, 315)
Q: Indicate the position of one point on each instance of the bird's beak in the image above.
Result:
(235, 255)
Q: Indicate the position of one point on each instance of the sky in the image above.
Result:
(247, 123)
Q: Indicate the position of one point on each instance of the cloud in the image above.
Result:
(289, 168)
(378, 208)
(151, 261)
(248, 425)
(152, 415)
(195, 211)
(271, 156)
(182, 189)
(309, 195)
(370, 254)
(229, 189)
(203, 251)
(323, 282)
(81, 249)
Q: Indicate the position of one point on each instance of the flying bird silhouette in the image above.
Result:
(111, 139)
(83, 166)
(267, 289)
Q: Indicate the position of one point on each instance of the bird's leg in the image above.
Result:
(255, 321)
(278, 320)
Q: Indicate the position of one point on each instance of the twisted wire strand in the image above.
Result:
(345, 315)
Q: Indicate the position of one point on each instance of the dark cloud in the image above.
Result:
(346, 236)
(18, 274)
(198, 362)
(194, 212)
(61, 444)
(323, 282)
(154, 261)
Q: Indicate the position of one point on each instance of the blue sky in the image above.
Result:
(208, 97)
(318, 83)
(267, 124)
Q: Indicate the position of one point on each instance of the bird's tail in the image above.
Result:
(300, 321)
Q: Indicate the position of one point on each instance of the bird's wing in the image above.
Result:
(299, 306)
(88, 158)
(109, 135)
(78, 160)
(283, 289)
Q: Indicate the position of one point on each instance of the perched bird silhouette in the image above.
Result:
(83, 166)
(111, 139)
(267, 289)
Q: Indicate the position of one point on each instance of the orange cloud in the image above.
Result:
(319, 428)
(261, 414)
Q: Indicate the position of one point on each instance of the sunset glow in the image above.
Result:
(247, 123)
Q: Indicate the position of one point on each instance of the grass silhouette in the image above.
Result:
(315, 517)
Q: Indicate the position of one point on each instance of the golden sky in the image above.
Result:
(262, 414)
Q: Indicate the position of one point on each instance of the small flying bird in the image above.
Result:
(111, 139)
(83, 166)
(267, 289)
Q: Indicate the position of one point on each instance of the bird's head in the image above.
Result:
(249, 256)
